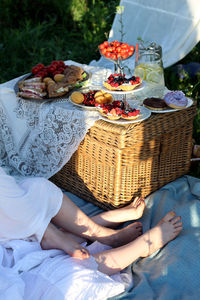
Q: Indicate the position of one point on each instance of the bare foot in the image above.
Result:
(113, 218)
(136, 208)
(166, 230)
(56, 239)
(123, 236)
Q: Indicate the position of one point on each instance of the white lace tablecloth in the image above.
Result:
(37, 138)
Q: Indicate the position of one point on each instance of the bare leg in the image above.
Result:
(115, 260)
(55, 239)
(73, 220)
(113, 218)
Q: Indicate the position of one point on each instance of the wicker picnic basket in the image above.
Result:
(115, 163)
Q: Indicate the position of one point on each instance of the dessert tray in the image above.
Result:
(144, 114)
(169, 109)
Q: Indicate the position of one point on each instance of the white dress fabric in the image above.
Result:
(29, 273)
(26, 271)
(27, 207)
(175, 25)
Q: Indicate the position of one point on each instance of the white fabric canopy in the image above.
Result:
(173, 24)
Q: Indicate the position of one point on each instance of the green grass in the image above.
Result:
(42, 31)
(68, 30)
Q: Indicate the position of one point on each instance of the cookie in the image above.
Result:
(77, 97)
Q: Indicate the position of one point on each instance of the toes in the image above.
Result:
(140, 201)
(168, 217)
(135, 201)
(178, 225)
(175, 220)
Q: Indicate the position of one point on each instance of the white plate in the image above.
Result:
(190, 102)
(82, 105)
(144, 114)
(138, 88)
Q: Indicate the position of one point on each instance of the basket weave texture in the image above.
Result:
(115, 163)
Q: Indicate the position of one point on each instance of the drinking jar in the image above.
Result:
(149, 67)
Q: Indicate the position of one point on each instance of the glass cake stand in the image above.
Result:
(125, 93)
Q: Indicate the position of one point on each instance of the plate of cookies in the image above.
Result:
(90, 98)
(171, 102)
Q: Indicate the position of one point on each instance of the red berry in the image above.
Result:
(106, 44)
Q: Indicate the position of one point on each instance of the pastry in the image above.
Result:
(56, 89)
(176, 99)
(155, 103)
(103, 97)
(72, 74)
(58, 77)
(77, 97)
(113, 114)
(130, 114)
(47, 79)
(118, 82)
(117, 110)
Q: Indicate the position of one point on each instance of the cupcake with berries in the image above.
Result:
(119, 82)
